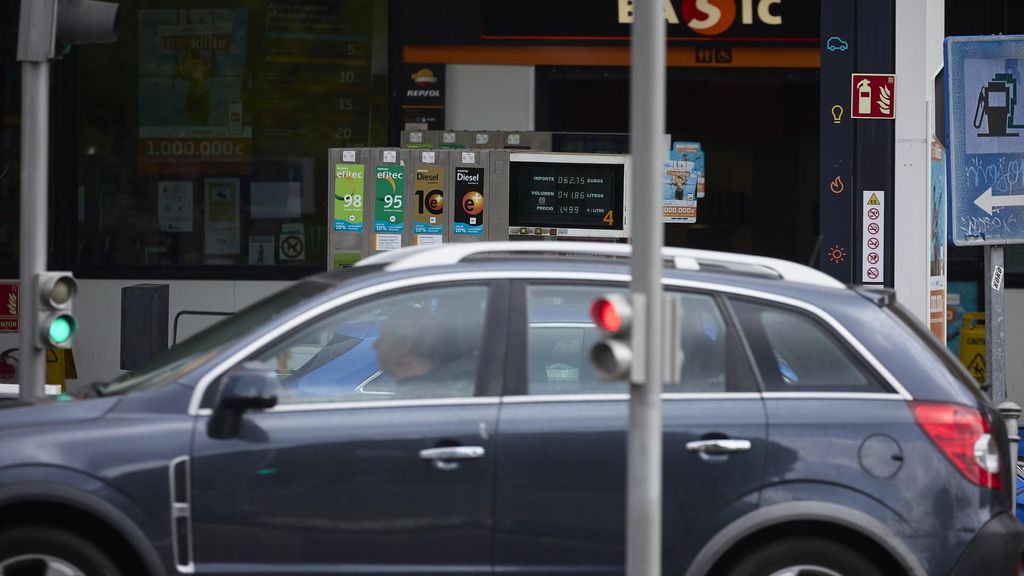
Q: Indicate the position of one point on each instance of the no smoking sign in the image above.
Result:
(291, 244)
(873, 228)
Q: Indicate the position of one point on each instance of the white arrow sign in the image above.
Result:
(987, 201)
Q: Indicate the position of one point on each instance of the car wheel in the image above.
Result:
(805, 557)
(45, 551)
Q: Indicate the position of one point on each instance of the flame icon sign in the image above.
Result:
(884, 100)
(12, 303)
(837, 186)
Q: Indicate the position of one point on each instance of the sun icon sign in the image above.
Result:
(837, 254)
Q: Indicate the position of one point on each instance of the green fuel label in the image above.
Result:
(348, 197)
(390, 199)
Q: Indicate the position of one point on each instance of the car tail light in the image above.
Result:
(965, 438)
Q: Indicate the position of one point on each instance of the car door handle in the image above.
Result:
(445, 457)
(718, 446)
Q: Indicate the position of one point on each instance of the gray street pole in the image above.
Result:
(995, 332)
(647, 124)
(35, 153)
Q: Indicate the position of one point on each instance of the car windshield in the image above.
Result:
(175, 362)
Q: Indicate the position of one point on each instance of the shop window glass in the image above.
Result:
(10, 137)
(204, 130)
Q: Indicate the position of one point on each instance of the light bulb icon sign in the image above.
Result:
(837, 114)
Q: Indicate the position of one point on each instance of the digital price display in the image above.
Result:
(576, 198)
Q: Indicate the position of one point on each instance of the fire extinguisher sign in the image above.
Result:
(9, 307)
(873, 96)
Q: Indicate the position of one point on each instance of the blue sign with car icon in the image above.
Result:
(837, 44)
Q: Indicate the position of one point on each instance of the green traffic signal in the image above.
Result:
(57, 325)
(61, 329)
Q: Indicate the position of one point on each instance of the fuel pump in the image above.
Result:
(996, 102)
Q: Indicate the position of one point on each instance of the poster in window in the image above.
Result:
(222, 222)
(174, 209)
(191, 70)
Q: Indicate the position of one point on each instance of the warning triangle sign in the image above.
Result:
(977, 367)
(873, 201)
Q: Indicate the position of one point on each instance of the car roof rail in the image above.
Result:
(678, 258)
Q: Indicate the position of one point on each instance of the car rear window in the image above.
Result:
(796, 352)
(948, 363)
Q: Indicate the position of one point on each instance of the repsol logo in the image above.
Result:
(712, 17)
(349, 174)
(464, 177)
(424, 177)
(423, 93)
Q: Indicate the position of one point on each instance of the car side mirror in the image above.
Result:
(240, 391)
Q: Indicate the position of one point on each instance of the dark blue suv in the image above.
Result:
(434, 411)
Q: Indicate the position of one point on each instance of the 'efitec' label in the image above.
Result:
(390, 200)
(348, 197)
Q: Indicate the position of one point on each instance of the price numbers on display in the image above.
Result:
(572, 180)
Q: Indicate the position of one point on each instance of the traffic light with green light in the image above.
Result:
(57, 323)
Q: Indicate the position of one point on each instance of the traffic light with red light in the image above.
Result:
(613, 355)
(620, 353)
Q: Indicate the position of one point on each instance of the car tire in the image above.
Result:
(32, 550)
(806, 556)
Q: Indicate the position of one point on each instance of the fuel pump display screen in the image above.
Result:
(566, 195)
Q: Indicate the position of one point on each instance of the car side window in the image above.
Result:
(560, 335)
(420, 344)
(797, 353)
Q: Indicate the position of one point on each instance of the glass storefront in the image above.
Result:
(759, 133)
(195, 146)
(202, 132)
(10, 136)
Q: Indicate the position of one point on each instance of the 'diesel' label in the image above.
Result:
(428, 216)
(469, 201)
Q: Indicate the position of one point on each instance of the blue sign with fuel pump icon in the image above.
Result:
(985, 120)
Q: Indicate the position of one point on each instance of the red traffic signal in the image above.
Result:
(612, 355)
(612, 313)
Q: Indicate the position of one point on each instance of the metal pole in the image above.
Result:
(35, 154)
(995, 331)
(1010, 412)
(647, 124)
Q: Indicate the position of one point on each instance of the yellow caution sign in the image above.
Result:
(873, 201)
(972, 345)
(60, 365)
